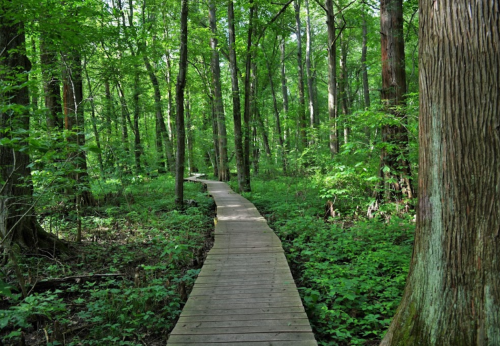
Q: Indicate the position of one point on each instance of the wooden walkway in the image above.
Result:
(245, 294)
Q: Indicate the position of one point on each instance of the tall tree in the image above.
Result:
(452, 295)
(18, 222)
(233, 66)
(309, 72)
(332, 77)
(301, 121)
(217, 98)
(179, 93)
(395, 168)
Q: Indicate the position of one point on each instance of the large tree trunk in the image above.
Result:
(233, 67)
(301, 121)
(179, 99)
(332, 77)
(452, 295)
(218, 106)
(18, 223)
(395, 168)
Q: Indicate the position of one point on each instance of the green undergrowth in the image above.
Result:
(125, 283)
(350, 271)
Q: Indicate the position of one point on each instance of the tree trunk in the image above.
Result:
(395, 168)
(18, 223)
(301, 121)
(284, 93)
(452, 295)
(364, 69)
(51, 86)
(332, 77)
(249, 97)
(94, 126)
(190, 138)
(162, 140)
(343, 86)
(277, 117)
(233, 67)
(74, 121)
(309, 73)
(218, 106)
(265, 138)
(125, 115)
(215, 136)
(138, 151)
(179, 92)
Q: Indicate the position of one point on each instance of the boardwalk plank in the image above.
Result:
(245, 294)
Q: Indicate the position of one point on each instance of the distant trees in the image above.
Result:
(452, 293)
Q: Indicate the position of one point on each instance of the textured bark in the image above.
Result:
(452, 296)
(302, 120)
(179, 99)
(215, 134)
(233, 67)
(397, 178)
(18, 223)
(218, 106)
(332, 77)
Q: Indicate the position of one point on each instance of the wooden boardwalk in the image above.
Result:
(245, 294)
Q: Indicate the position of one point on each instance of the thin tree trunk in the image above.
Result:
(332, 77)
(364, 69)
(452, 294)
(170, 107)
(94, 125)
(138, 151)
(190, 138)
(52, 86)
(249, 97)
(309, 73)
(125, 115)
(277, 117)
(74, 121)
(218, 106)
(238, 143)
(163, 144)
(179, 90)
(284, 92)
(215, 135)
(265, 139)
(302, 120)
(343, 86)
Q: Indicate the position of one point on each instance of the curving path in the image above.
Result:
(245, 294)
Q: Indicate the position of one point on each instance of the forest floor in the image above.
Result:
(124, 284)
